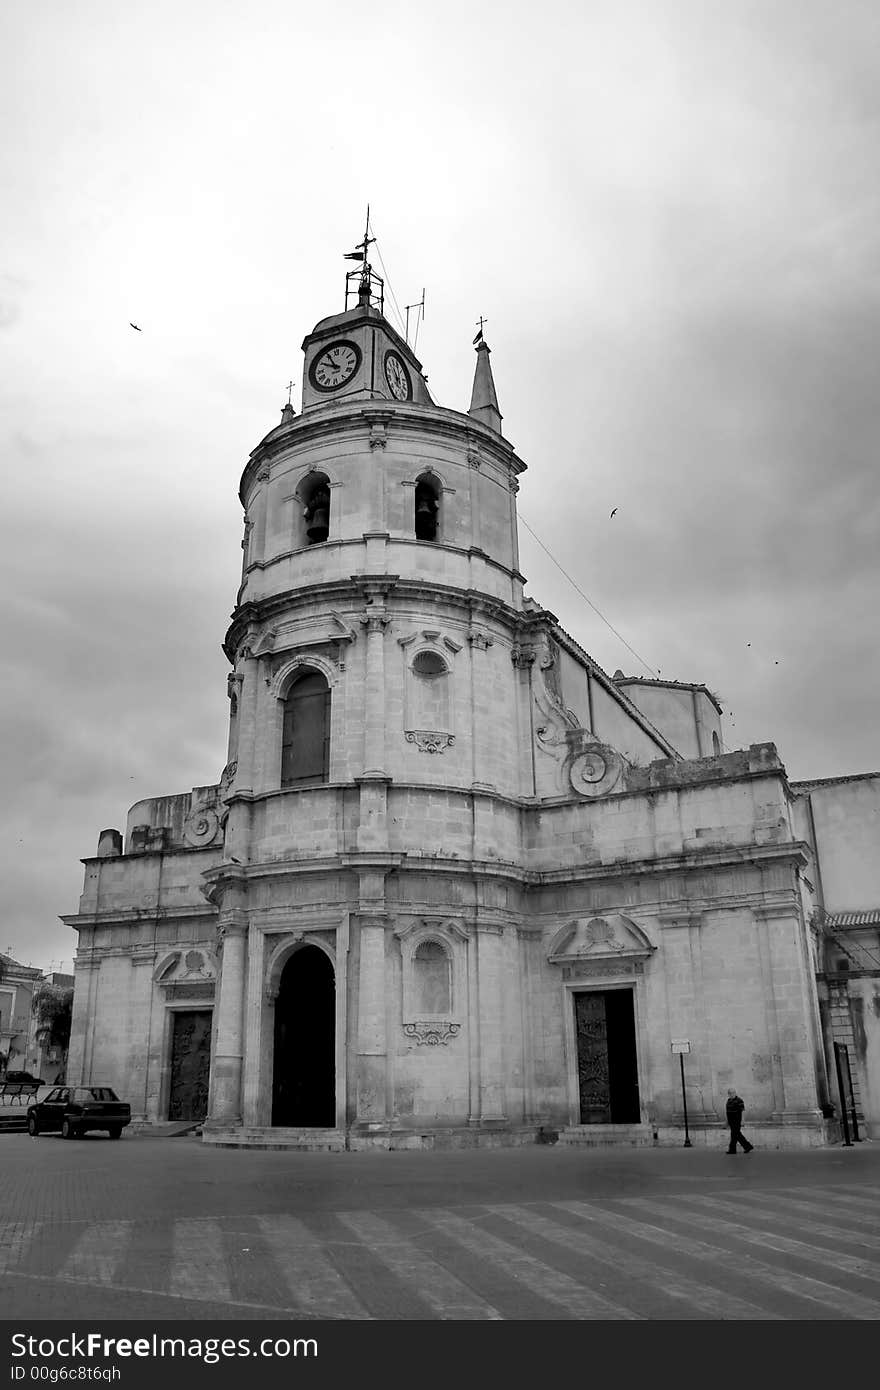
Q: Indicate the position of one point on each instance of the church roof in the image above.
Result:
(871, 918)
(7, 963)
(620, 679)
(812, 782)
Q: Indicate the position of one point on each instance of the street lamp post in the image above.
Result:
(681, 1046)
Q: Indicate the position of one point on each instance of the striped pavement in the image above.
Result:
(792, 1253)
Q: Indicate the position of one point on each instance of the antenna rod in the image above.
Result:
(420, 305)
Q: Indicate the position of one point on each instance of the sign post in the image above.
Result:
(681, 1046)
(847, 1142)
(852, 1095)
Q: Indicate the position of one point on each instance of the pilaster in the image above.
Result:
(792, 1059)
(375, 620)
(686, 1009)
(486, 1024)
(226, 1071)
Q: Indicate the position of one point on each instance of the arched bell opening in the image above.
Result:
(427, 509)
(316, 509)
(304, 1066)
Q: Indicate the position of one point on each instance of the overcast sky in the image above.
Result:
(669, 214)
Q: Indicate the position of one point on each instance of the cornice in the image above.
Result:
(131, 916)
(688, 862)
(336, 592)
(335, 420)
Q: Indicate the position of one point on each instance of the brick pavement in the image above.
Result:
(169, 1228)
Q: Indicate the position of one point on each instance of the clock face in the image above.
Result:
(335, 366)
(397, 377)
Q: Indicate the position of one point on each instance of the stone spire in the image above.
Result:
(484, 402)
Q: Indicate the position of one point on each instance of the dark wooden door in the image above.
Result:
(190, 1065)
(606, 1055)
(592, 1055)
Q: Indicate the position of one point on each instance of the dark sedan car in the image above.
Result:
(75, 1109)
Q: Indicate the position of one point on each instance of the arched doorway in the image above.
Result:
(304, 1071)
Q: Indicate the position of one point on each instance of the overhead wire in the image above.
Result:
(400, 319)
(652, 670)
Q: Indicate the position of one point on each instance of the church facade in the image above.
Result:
(456, 884)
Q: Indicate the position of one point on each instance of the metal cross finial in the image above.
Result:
(290, 386)
(480, 324)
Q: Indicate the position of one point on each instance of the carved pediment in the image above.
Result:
(322, 630)
(602, 939)
(190, 972)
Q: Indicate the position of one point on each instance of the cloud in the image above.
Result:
(668, 214)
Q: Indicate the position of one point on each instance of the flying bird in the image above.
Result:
(612, 514)
(135, 327)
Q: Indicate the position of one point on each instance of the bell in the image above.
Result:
(318, 527)
(426, 524)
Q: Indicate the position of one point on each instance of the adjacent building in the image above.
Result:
(18, 984)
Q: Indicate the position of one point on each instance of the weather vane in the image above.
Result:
(480, 326)
(360, 252)
(364, 276)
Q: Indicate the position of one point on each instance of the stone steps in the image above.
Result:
(275, 1137)
(607, 1136)
(166, 1129)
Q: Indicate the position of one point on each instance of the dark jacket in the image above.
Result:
(735, 1108)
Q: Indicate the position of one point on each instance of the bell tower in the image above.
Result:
(376, 710)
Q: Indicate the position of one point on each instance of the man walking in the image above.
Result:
(735, 1108)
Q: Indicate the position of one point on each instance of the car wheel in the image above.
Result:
(33, 1127)
(115, 1132)
(68, 1131)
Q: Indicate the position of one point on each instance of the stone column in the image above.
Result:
(375, 620)
(226, 1070)
(523, 660)
(480, 706)
(490, 974)
(237, 835)
(82, 1032)
(514, 533)
(247, 718)
(256, 1086)
(234, 682)
(474, 477)
(257, 548)
(372, 1047)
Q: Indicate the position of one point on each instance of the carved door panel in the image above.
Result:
(608, 1074)
(592, 1058)
(190, 1065)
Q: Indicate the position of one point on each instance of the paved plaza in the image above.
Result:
(168, 1228)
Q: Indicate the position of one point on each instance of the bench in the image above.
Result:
(18, 1091)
